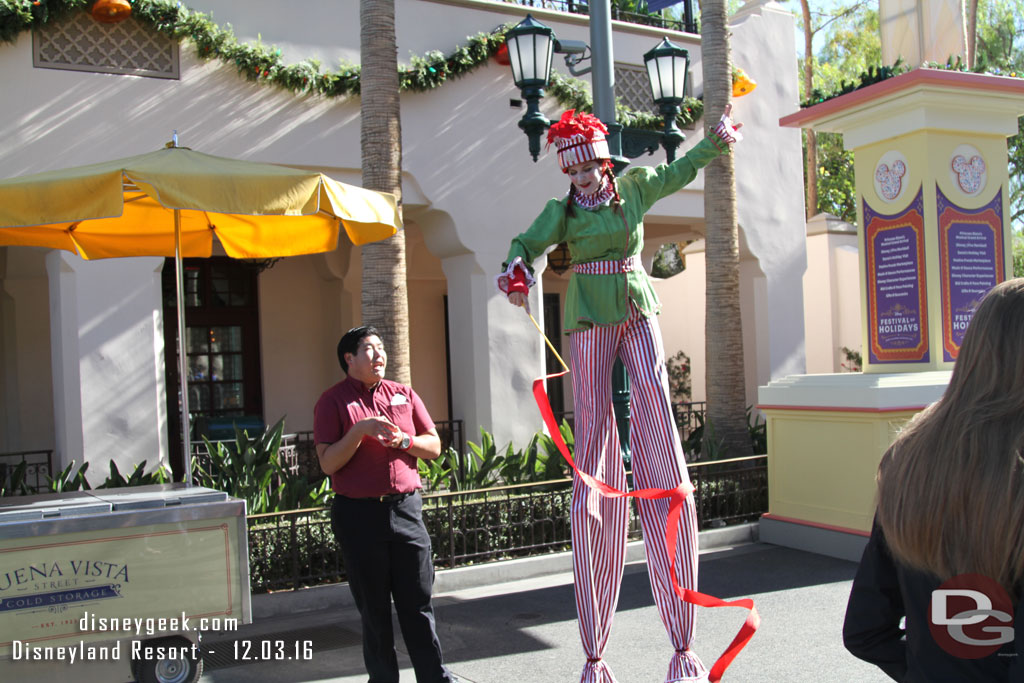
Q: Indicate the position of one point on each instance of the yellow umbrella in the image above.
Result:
(171, 203)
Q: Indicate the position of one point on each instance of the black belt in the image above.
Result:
(386, 498)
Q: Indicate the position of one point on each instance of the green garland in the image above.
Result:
(257, 62)
(263, 64)
(877, 74)
(873, 75)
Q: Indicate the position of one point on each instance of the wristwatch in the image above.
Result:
(406, 442)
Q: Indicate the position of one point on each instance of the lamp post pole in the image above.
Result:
(603, 86)
(603, 76)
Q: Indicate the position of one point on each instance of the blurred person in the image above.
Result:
(948, 535)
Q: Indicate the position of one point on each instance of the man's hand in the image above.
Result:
(336, 455)
(381, 429)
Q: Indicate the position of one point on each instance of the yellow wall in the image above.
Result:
(822, 464)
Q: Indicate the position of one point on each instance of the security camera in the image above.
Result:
(570, 47)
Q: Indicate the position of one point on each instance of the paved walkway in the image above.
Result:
(526, 630)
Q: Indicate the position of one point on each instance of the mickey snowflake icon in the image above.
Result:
(969, 174)
(890, 179)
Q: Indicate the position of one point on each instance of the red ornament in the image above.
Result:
(111, 11)
(501, 56)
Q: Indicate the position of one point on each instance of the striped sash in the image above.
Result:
(627, 265)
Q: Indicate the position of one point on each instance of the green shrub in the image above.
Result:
(250, 468)
(138, 477)
(695, 445)
(14, 484)
(679, 384)
(244, 468)
(485, 466)
(71, 479)
(436, 474)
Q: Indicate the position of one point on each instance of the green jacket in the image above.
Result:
(602, 235)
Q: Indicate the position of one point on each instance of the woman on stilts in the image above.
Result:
(610, 312)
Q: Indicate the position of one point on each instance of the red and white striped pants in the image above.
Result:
(599, 523)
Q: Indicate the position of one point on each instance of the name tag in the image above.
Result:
(399, 400)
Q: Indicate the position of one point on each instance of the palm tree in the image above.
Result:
(972, 33)
(810, 135)
(723, 328)
(385, 302)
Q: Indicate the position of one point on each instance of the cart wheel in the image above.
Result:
(180, 667)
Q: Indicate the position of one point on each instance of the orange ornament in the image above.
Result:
(111, 11)
(742, 84)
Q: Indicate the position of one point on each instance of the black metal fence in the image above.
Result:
(291, 550)
(453, 435)
(689, 416)
(688, 23)
(38, 469)
(298, 449)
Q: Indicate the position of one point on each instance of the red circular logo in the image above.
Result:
(970, 616)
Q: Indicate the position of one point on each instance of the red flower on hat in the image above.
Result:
(577, 123)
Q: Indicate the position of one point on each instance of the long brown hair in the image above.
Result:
(951, 488)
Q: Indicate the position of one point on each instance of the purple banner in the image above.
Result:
(897, 298)
(971, 254)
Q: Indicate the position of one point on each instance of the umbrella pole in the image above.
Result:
(186, 440)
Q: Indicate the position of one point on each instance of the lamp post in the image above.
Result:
(668, 67)
(530, 46)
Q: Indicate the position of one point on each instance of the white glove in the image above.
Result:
(727, 131)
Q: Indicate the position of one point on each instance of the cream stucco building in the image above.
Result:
(84, 350)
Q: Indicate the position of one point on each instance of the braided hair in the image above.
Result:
(570, 203)
(610, 174)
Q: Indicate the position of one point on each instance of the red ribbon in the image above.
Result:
(676, 498)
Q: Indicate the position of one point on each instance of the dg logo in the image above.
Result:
(971, 616)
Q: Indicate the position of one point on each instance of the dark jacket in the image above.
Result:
(884, 591)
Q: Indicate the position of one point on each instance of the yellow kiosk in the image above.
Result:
(934, 235)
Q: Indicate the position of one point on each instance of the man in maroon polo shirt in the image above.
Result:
(369, 433)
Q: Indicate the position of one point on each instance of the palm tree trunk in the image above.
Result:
(972, 33)
(726, 390)
(811, 137)
(385, 301)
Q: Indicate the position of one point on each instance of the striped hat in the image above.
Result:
(578, 137)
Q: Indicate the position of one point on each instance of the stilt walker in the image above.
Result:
(610, 311)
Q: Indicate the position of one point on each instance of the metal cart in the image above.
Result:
(117, 584)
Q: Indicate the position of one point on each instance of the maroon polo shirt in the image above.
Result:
(375, 469)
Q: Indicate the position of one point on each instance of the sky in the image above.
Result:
(816, 6)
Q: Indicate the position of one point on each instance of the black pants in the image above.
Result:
(386, 550)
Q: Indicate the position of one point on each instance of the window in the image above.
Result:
(222, 345)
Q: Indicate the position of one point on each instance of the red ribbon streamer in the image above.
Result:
(676, 498)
